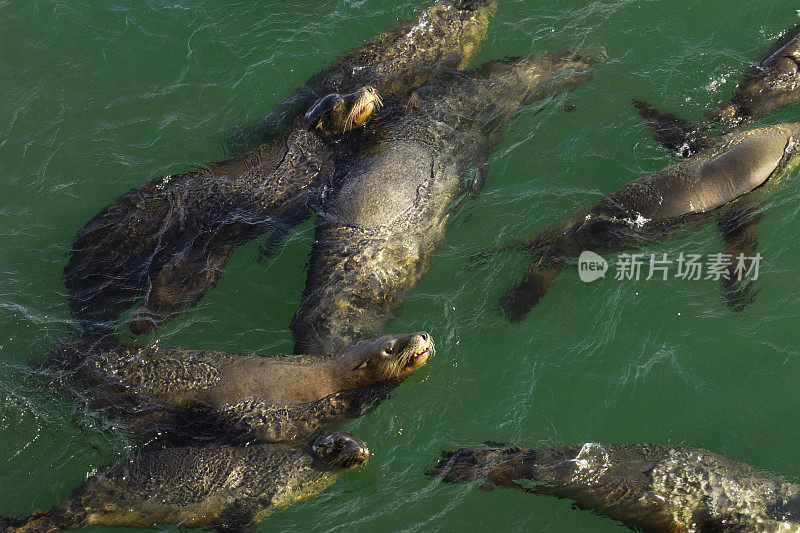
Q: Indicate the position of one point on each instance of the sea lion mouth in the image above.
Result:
(351, 458)
(420, 347)
(357, 457)
(418, 358)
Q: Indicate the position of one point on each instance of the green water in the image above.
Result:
(96, 98)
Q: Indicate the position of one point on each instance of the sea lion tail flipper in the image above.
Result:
(587, 55)
(102, 275)
(590, 54)
(482, 258)
(236, 518)
(673, 133)
(272, 244)
(739, 230)
(474, 183)
(179, 285)
(518, 300)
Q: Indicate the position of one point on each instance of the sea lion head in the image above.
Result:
(336, 113)
(497, 464)
(388, 358)
(773, 82)
(340, 449)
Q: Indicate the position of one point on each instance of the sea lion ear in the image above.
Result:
(360, 365)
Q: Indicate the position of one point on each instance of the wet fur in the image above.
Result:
(658, 488)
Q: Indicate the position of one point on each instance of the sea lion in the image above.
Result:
(444, 36)
(376, 236)
(657, 206)
(771, 83)
(338, 113)
(660, 488)
(169, 240)
(178, 395)
(224, 487)
(184, 237)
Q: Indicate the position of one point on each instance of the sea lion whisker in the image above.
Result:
(354, 111)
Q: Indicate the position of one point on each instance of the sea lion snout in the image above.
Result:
(413, 350)
(337, 113)
(367, 102)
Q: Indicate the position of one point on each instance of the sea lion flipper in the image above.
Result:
(273, 242)
(529, 245)
(411, 103)
(518, 300)
(475, 183)
(673, 133)
(479, 180)
(739, 230)
(179, 285)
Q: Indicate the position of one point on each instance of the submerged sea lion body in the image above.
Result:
(228, 488)
(197, 395)
(377, 235)
(658, 488)
(771, 83)
(168, 240)
(655, 207)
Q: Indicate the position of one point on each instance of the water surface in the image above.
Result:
(101, 97)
